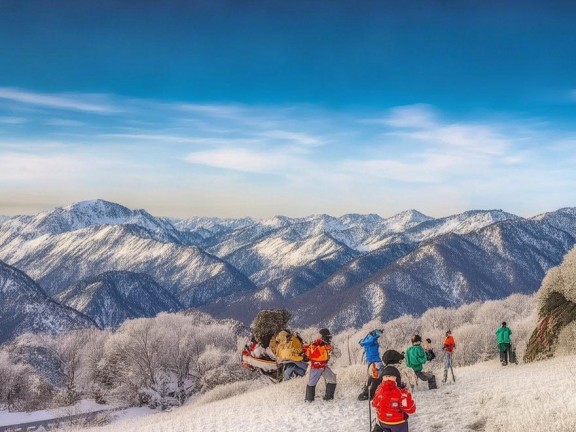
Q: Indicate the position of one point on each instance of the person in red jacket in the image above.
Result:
(448, 348)
(318, 352)
(393, 404)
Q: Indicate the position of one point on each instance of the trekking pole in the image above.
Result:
(369, 408)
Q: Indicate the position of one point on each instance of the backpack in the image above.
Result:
(430, 355)
(289, 346)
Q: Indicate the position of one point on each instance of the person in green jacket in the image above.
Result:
(415, 359)
(503, 338)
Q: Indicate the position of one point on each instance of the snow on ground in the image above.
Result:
(486, 397)
(84, 406)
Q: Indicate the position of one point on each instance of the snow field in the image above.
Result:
(486, 397)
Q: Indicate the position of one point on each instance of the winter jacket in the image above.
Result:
(449, 344)
(370, 345)
(415, 357)
(319, 353)
(503, 335)
(393, 405)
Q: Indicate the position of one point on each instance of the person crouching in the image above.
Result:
(393, 404)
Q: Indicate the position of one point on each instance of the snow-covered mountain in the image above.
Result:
(115, 296)
(337, 271)
(24, 307)
(85, 214)
(462, 223)
(503, 258)
(187, 272)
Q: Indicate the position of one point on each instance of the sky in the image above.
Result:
(265, 107)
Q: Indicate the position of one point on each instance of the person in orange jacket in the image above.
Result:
(318, 352)
(393, 404)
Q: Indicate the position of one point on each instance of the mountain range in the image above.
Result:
(113, 263)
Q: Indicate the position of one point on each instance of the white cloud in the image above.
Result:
(12, 120)
(411, 116)
(58, 101)
(243, 160)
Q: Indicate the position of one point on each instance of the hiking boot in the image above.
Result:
(310, 393)
(364, 395)
(330, 389)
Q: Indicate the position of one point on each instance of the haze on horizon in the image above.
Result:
(232, 109)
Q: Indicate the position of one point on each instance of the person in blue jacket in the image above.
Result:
(375, 365)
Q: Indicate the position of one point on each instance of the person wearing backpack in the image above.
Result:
(393, 404)
(503, 338)
(375, 365)
(318, 352)
(416, 358)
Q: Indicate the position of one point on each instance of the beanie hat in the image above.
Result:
(392, 371)
(392, 357)
(504, 323)
(416, 338)
(325, 333)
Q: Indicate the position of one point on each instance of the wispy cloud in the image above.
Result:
(58, 101)
(314, 156)
(245, 160)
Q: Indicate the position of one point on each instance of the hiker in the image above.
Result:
(375, 366)
(503, 338)
(290, 354)
(319, 353)
(393, 404)
(448, 347)
(430, 354)
(416, 358)
(407, 376)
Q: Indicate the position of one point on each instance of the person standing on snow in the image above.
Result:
(415, 359)
(448, 347)
(375, 366)
(318, 352)
(393, 404)
(503, 338)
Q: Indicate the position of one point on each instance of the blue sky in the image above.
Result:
(264, 107)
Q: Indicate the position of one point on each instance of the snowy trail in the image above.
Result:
(487, 397)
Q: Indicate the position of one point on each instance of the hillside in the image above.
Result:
(486, 397)
(24, 307)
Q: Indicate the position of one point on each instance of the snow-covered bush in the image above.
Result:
(21, 388)
(473, 326)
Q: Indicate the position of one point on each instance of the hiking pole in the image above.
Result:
(369, 408)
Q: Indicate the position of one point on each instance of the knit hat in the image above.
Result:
(392, 357)
(416, 338)
(392, 371)
(325, 333)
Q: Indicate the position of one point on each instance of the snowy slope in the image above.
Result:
(24, 307)
(486, 397)
(187, 272)
(113, 297)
